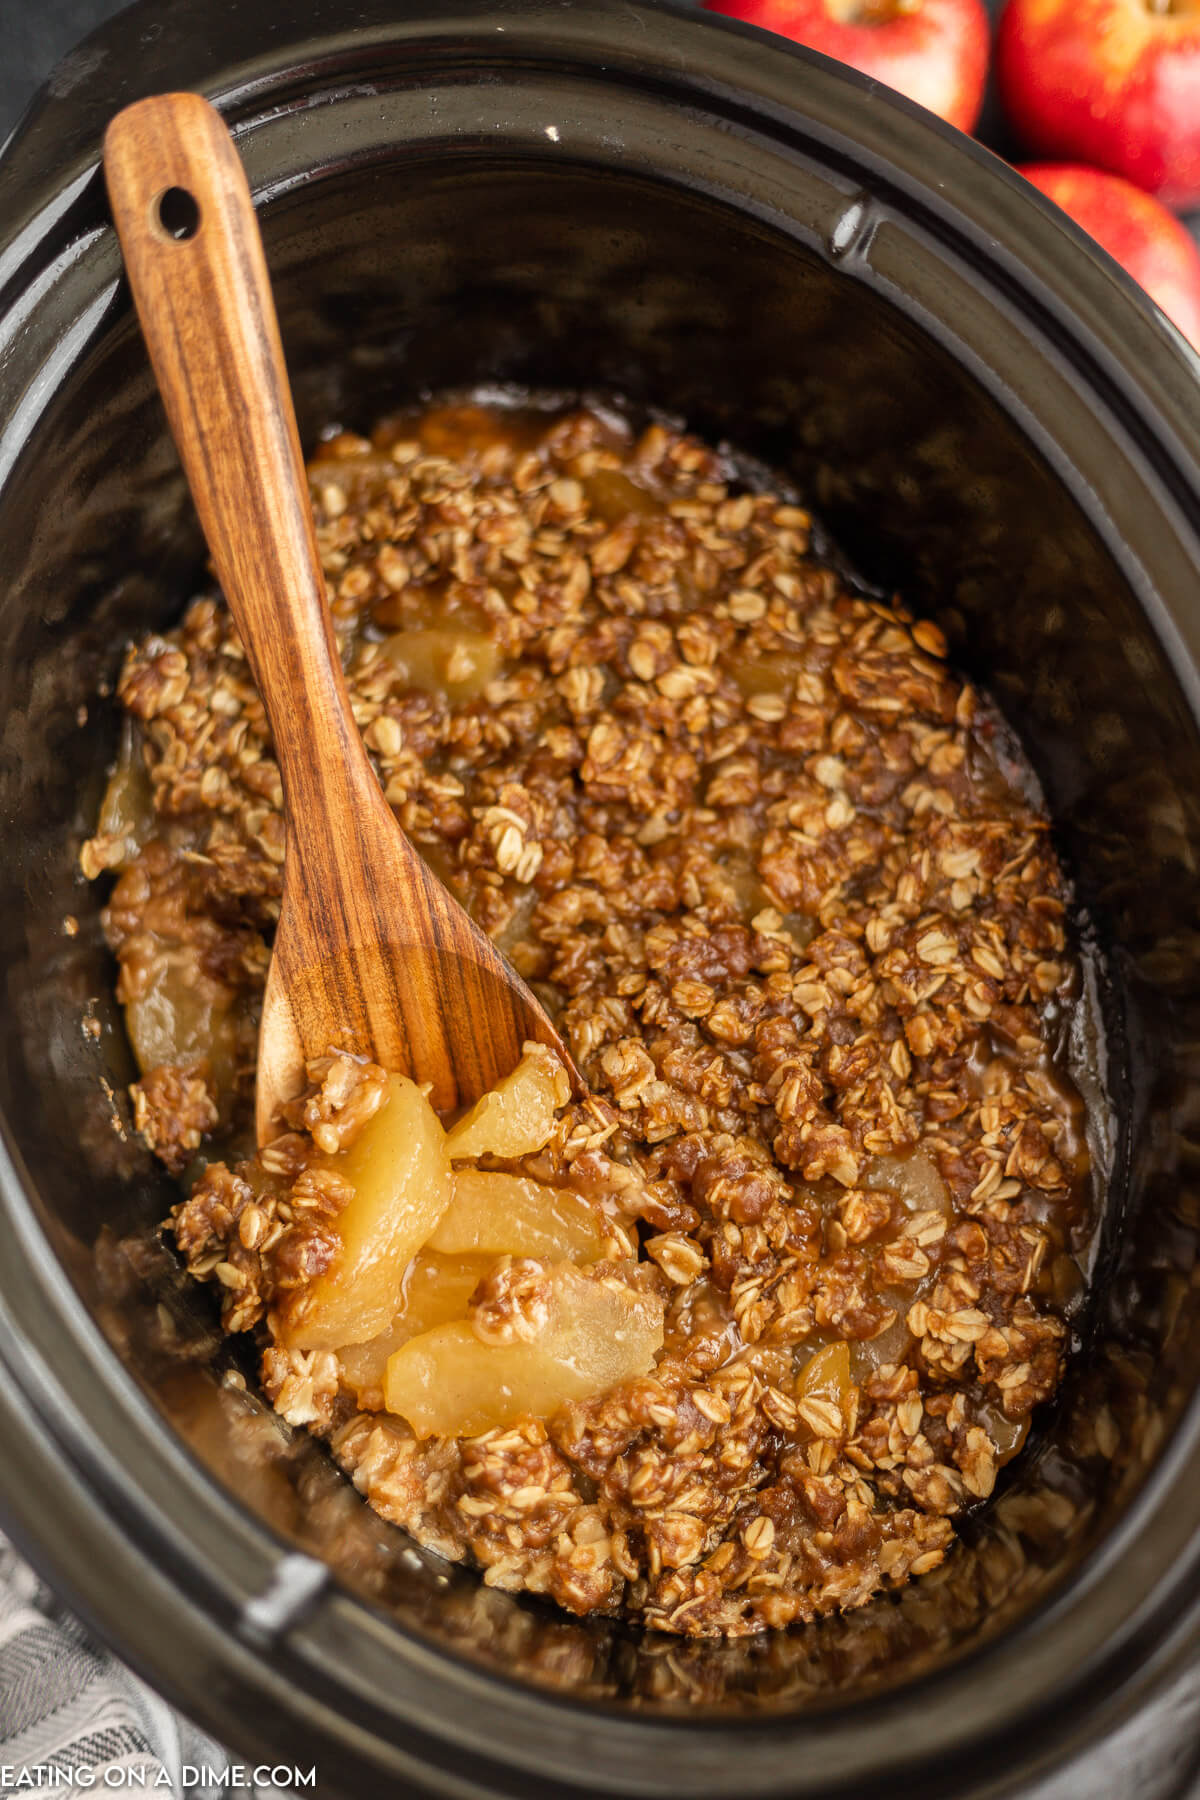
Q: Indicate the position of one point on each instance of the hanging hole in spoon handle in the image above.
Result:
(178, 214)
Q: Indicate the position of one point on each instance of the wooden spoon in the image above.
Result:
(372, 955)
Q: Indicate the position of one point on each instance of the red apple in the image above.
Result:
(1110, 82)
(1136, 230)
(935, 51)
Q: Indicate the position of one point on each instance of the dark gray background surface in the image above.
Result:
(1157, 1757)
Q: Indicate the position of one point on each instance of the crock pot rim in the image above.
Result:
(1163, 357)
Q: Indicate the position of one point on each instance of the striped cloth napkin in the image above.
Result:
(74, 1721)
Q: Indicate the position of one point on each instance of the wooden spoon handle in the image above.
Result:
(195, 262)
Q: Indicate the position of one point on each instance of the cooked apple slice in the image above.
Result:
(447, 1383)
(890, 1345)
(400, 1173)
(915, 1180)
(826, 1375)
(444, 659)
(517, 1116)
(823, 1390)
(127, 810)
(436, 1290)
(773, 672)
(180, 1015)
(614, 497)
(510, 1214)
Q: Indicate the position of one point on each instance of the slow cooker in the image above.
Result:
(610, 197)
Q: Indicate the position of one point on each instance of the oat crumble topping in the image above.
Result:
(767, 861)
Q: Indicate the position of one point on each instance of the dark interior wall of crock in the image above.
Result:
(576, 279)
(99, 541)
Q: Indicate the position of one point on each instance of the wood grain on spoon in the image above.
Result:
(371, 954)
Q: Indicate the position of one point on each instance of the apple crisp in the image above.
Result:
(733, 1341)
